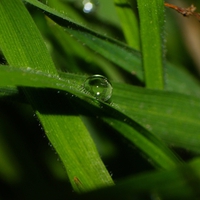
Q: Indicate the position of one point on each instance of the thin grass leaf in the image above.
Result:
(151, 29)
(129, 23)
(150, 147)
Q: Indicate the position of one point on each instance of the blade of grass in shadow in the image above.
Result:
(151, 14)
(182, 182)
(155, 151)
(21, 43)
(129, 23)
(10, 171)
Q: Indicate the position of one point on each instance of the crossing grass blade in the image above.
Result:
(164, 107)
(126, 58)
(143, 139)
(180, 183)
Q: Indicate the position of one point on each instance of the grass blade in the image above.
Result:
(164, 108)
(115, 51)
(151, 29)
(129, 23)
(143, 139)
(180, 183)
(126, 58)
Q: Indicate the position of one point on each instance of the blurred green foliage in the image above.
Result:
(29, 166)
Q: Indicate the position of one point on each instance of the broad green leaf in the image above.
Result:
(151, 14)
(129, 23)
(143, 139)
(171, 116)
(21, 43)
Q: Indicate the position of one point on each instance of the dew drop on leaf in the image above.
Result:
(99, 87)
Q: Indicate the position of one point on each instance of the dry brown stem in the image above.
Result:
(186, 12)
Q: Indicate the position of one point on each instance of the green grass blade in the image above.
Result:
(129, 60)
(70, 137)
(21, 47)
(143, 139)
(151, 14)
(182, 182)
(151, 147)
(18, 51)
(115, 51)
(75, 48)
(129, 23)
(179, 80)
(171, 116)
(164, 108)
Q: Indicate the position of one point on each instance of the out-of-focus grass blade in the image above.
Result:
(180, 80)
(180, 183)
(129, 23)
(151, 14)
(10, 170)
(21, 43)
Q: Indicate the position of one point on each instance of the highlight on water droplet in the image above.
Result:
(99, 87)
(88, 6)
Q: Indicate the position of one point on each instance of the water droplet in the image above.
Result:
(99, 87)
(88, 6)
